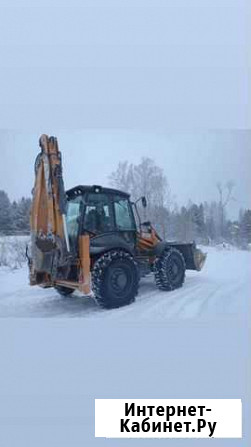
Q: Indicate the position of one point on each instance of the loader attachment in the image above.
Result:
(149, 241)
(193, 256)
(51, 258)
(199, 259)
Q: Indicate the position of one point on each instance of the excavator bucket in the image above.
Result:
(49, 236)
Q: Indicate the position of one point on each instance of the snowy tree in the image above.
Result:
(5, 213)
(122, 178)
(21, 215)
(185, 228)
(197, 222)
(225, 196)
(245, 228)
(204, 223)
(146, 179)
(14, 217)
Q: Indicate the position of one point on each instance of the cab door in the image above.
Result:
(124, 219)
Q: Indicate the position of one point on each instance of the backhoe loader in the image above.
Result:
(91, 239)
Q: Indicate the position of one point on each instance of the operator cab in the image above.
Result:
(96, 210)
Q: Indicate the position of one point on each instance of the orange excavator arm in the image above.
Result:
(48, 215)
(49, 236)
(51, 257)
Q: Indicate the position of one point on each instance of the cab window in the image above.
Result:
(123, 214)
(98, 213)
(73, 213)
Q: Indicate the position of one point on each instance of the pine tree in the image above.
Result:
(198, 224)
(5, 213)
(21, 215)
(245, 228)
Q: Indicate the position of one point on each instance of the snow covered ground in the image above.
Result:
(190, 343)
(12, 251)
(223, 288)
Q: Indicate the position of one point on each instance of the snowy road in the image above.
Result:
(223, 288)
(66, 352)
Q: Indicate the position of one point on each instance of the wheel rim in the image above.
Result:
(120, 280)
(174, 270)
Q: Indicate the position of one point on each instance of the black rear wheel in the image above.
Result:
(169, 270)
(115, 279)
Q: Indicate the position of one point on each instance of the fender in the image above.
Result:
(159, 248)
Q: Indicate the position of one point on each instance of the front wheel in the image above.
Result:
(115, 279)
(169, 269)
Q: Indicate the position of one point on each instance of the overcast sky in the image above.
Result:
(133, 72)
(124, 63)
(192, 161)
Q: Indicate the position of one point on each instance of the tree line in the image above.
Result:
(14, 216)
(205, 223)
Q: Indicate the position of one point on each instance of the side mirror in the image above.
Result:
(144, 201)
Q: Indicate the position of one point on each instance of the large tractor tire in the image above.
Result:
(169, 270)
(115, 279)
(64, 291)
